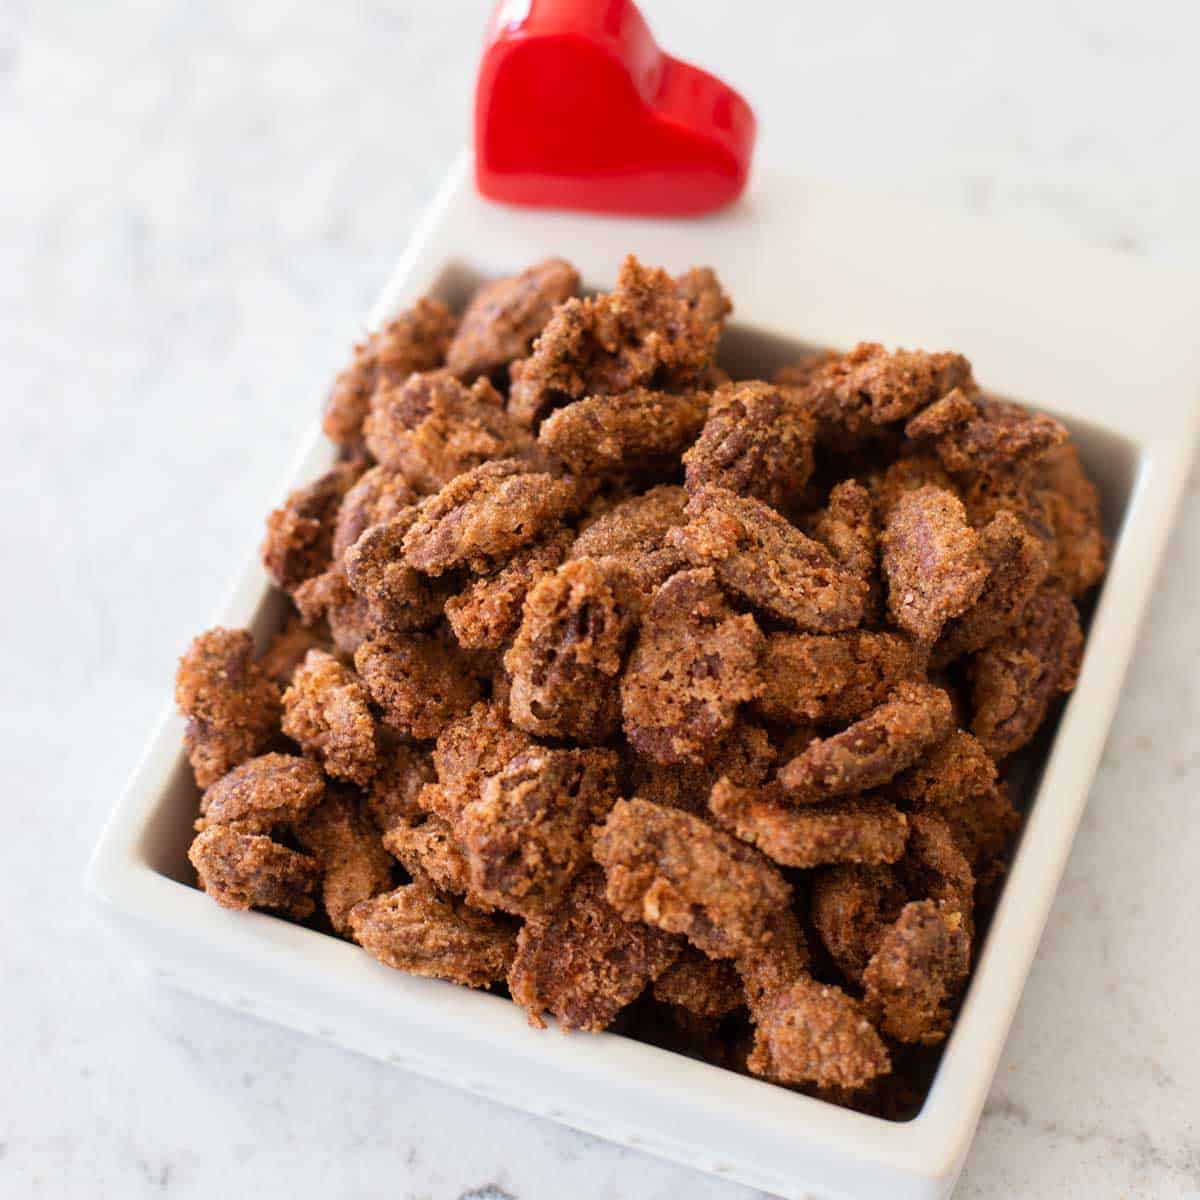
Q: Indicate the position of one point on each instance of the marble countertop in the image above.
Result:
(198, 203)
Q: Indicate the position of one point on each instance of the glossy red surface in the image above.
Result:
(577, 107)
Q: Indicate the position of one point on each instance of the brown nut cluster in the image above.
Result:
(652, 698)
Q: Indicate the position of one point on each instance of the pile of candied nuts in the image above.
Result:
(648, 697)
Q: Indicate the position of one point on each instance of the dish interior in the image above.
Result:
(1113, 462)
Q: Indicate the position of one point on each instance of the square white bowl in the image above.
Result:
(1106, 343)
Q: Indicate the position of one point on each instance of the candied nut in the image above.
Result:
(677, 872)
(418, 930)
(764, 559)
(757, 441)
(974, 435)
(528, 832)
(584, 964)
(421, 682)
(851, 907)
(248, 870)
(378, 496)
(832, 677)
(402, 770)
(650, 331)
(745, 757)
(949, 774)
(1017, 567)
(354, 864)
(504, 317)
(931, 561)
(846, 527)
(299, 541)
(1072, 505)
(861, 830)
(286, 650)
(907, 475)
(484, 515)
(707, 987)
(326, 712)
(874, 749)
(415, 341)
(232, 708)
(814, 1033)
(428, 847)
(329, 597)
(262, 793)
(918, 969)
(1018, 675)
(634, 531)
(431, 428)
(777, 963)
(982, 828)
(695, 662)
(487, 613)
(934, 868)
(397, 597)
(622, 434)
(470, 749)
(870, 388)
(565, 663)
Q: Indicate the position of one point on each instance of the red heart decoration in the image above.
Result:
(577, 107)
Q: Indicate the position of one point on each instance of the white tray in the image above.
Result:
(1107, 343)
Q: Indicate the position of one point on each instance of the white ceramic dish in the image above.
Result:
(1106, 343)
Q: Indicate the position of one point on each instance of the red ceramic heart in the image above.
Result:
(577, 107)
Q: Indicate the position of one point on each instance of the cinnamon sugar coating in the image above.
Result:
(852, 905)
(248, 870)
(288, 648)
(397, 597)
(326, 711)
(402, 770)
(379, 495)
(707, 987)
(263, 794)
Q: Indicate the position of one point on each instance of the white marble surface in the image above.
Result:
(197, 202)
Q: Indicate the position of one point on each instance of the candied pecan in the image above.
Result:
(907, 475)
(920, 966)
(777, 963)
(471, 748)
(933, 866)
(486, 514)
(346, 843)
(677, 872)
(694, 663)
(757, 441)
(1073, 506)
(418, 930)
(262, 793)
(832, 677)
(1017, 567)
(1018, 675)
(874, 749)
(505, 316)
(635, 531)
(431, 428)
(415, 341)
(851, 907)
(862, 830)
(286, 650)
(982, 828)
(328, 596)
(626, 433)
(231, 707)
(974, 435)
(931, 561)
(870, 388)
(846, 527)
(584, 964)
(248, 870)
(948, 774)
(650, 331)
(761, 557)
(398, 598)
(427, 846)
(528, 832)
(707, 987)
(745, 757)
(565, 663)
(326, 712)
(299, 541)
(402, 770)
(420, 681)
(812, 1032)
(700, 289)
(378, 496)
